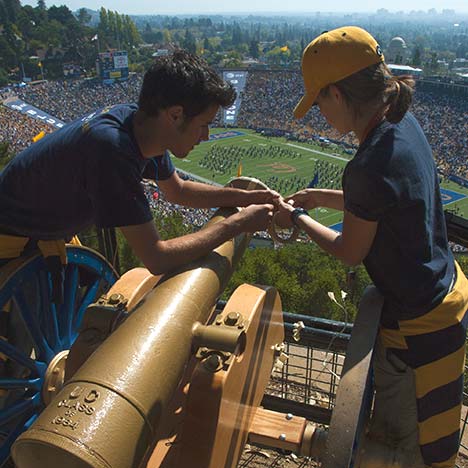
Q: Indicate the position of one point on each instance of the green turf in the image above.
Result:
(298, 168)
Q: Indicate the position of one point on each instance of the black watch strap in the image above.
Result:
(296, 213)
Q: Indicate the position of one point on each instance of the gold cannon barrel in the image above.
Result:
(106, 416)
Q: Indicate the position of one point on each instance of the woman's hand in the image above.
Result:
(307, 198)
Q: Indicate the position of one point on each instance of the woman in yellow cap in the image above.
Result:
(394, 224)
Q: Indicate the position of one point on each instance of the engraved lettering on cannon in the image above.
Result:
(92, 396)
(59, 420)
(76, 406)
(76, 392)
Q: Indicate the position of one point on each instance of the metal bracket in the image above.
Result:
(106, 314)
(99, 321)
(217, 344)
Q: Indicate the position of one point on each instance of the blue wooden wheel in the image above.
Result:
(36, 334)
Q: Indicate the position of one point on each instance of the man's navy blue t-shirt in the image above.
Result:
(393, 180)
(87, 172)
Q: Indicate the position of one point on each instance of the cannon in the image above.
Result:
(158, 376)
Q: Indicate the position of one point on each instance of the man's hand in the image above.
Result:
(256, 217)
(283, 216)
(259, 197)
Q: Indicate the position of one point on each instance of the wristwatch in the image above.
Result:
(296, 213)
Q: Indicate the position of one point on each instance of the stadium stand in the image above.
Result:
(268, 100)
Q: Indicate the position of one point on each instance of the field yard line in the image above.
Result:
(315, 151)
(325, 219)
(306, 149)
(197, 177)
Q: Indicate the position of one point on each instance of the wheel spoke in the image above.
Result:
(85, 301)
(19, 408)
(23, 424)
(50, 312)
(45, 353)
(67, 310)
(22, 358)
(45, 330)
(27, 384)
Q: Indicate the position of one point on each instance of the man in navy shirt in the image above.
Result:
(90, 170)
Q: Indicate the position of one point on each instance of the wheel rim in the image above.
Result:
(38, 331)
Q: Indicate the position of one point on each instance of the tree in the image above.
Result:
(237, 38)
(41, 11)
(433, 63)
(207, 47)
(417, 59)
(9, 11)
(3, 78)
(278, 55)
(83, 16)
(127, 259)
(167, 36)
(254, 49)
(189, 42)
(7, 54)
(5, 154)
(103, 27)
(303, 275)
(233, 60)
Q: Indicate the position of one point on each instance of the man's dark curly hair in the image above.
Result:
(186, 80)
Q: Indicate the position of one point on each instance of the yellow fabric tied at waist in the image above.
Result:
(53, 251)
(53, 248)
(75, 241)
(12, 246)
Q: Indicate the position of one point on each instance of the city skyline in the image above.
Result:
(264, 7)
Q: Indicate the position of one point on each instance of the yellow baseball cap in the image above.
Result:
(332, 56)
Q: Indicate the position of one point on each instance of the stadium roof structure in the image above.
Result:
(400, 69)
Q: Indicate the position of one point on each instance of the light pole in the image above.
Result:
(39, 64)
(23, 75)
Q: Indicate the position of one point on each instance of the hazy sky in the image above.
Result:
(258, 6)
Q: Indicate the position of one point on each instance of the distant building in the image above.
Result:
(161, 53)
(397, 52)
(463, 77)
(442, 65)
(460, 66)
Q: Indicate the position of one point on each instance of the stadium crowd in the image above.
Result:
(267, 102)
(19, 129)
(70, 99)
(270, 97)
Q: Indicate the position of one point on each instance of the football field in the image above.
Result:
(286, 166)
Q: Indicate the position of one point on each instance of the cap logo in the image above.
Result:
(378, 50)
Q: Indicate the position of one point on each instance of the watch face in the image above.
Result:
(296, 213)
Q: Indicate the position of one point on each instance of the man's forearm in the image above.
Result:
(200, 195)
(172, 253)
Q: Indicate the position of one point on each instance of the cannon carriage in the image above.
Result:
(153, 371)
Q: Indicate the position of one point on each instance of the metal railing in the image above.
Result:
(306, 386)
